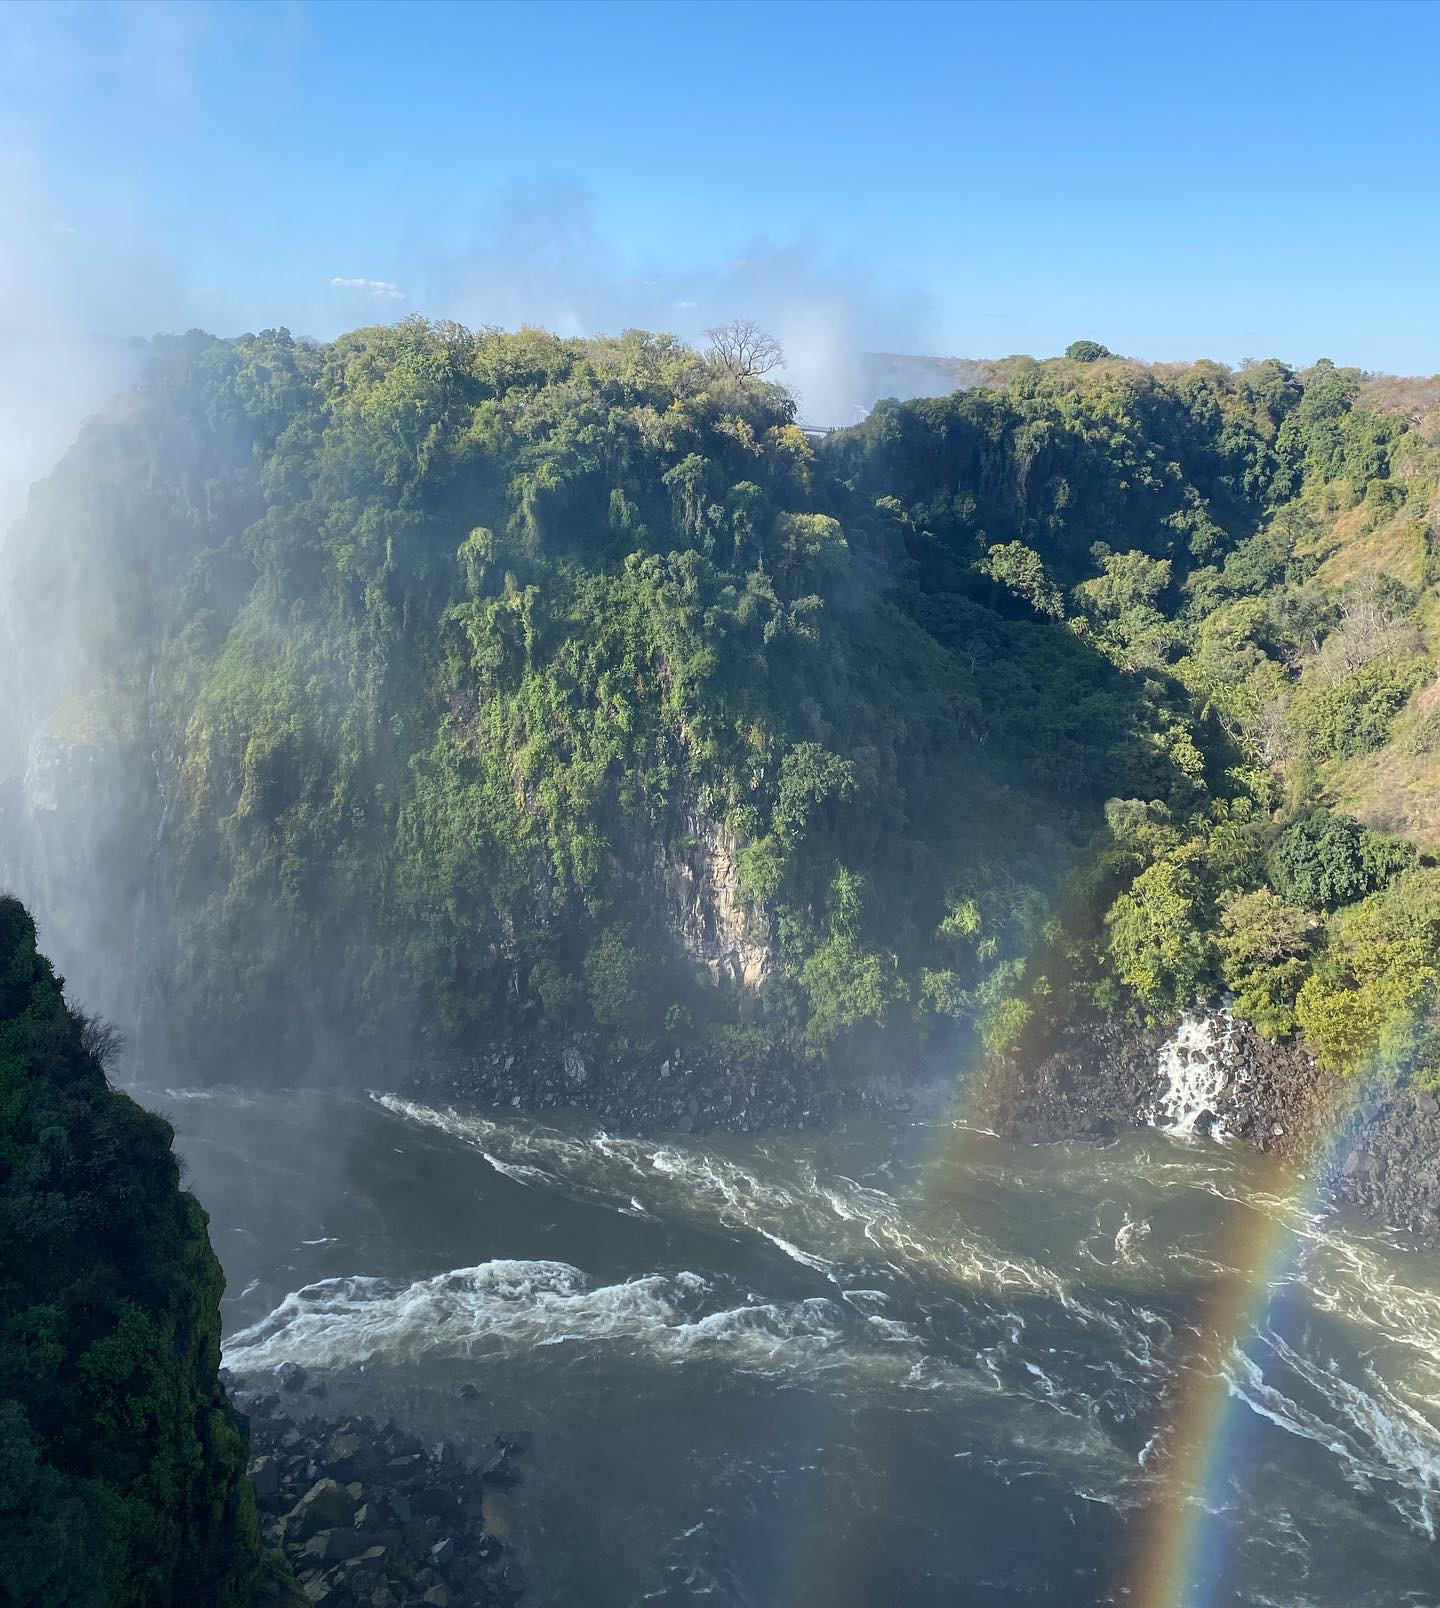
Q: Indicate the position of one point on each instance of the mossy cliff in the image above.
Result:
(122, 1465)
(430, 694)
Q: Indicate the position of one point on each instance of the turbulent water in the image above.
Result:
(887, 1365)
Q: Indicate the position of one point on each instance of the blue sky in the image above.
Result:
(1175, 180)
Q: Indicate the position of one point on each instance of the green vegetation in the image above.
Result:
(122, 1466)
(454, 646)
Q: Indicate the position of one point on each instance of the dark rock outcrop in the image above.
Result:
(1377, 1152)
(368, 1517)
(730, 1086)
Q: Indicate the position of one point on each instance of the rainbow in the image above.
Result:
(1193, 1446)
(1260, 1247)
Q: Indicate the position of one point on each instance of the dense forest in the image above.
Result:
(122, 1465)
(466, 685)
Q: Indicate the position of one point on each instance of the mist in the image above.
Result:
(539, 254)
(76, 295)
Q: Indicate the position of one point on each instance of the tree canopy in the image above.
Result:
(455, 647)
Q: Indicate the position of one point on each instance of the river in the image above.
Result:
(901, 1364)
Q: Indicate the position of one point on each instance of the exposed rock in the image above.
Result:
(265, 1475)
(370, 1543)
(1100, 1077)
(698, 874)
(323, 1506)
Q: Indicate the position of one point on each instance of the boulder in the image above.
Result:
(290, 1376)
(333, 1545)
(265, 1474)
(438, 1501)
(323, 1507)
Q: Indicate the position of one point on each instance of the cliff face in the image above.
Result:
(430, 695)
(715, 927)
(122, 1465)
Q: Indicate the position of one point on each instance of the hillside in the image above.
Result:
(122, 1465)
(457, 688)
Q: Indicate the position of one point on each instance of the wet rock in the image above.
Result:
(290, 1376)
(265, 1475)
(333, 1545)
(324, 1506)
(386, 1547)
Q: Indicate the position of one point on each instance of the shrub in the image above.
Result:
(1323, 860)
(1367, 1000)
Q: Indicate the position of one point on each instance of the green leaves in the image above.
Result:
(1157, 932)
(113, 1488)
(469, 650)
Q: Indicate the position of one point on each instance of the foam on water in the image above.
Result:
(1378, 1429)
(1193, 1074)
(821, 1223)
(1380, 1443)
(514, 1306)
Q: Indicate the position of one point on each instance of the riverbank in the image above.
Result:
(1372, 1149)
(366, 1515)
(738, 1085)
(1212, 1075)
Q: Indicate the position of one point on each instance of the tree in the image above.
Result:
(1157, 933)
(810, 776)
(1087, 351)
(1323, 860)
(1264, 945)
(743, 349)
(1021, 569)
(1373, 988)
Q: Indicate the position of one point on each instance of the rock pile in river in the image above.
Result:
(368, 1517)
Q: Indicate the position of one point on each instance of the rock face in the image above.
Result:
(1386, 1161)
(702, 890)
(1214, 1075)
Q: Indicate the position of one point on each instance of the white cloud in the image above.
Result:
(381, 288)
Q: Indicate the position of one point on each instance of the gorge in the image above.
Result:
(913, 954)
